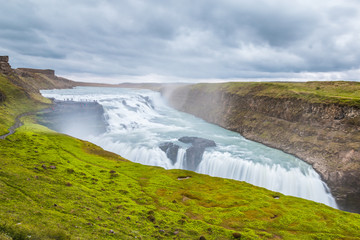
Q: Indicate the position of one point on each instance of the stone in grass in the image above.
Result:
(151, 218)
(202, 238)
(111, 231)
(236, 235)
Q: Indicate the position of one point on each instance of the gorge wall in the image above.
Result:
(324, 134)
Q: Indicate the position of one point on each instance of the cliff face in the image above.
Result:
(326, 135)
(48, 72)
(35, 79)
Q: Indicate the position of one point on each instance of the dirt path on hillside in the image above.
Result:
(17, 124)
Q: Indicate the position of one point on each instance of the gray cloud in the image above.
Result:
(184, 39)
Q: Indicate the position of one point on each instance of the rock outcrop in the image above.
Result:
(194, 153)
(47, 72)
(5, 67)
(171, 150)
(198, 142)
(4, 58)
(35, 79)
(326, 135)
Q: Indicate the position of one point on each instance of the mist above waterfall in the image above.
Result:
(139, 122)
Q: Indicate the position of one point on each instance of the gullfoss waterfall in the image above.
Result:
(142, 128)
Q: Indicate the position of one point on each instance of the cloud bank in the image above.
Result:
(202, 40)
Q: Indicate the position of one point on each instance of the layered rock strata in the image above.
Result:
(48, 72)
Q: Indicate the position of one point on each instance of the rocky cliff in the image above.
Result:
(48, 72)
(33, 79)
(323, 131)
(5, 67)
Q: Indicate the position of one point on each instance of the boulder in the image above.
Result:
(171, 150)
(195, 153)
(198, 142)
(193, 157)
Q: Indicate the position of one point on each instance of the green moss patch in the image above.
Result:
(17, 101)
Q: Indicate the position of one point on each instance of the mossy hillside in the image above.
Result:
(17, 101)
(57, 187)
(338, 92)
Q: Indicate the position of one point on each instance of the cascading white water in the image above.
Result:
(139, 121)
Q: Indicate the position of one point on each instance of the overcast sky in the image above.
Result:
(184, 40)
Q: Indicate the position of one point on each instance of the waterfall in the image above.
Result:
(139, 122)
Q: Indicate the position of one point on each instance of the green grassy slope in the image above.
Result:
(92, 192)
(346, 93)
(53, 186)
(17, 102)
